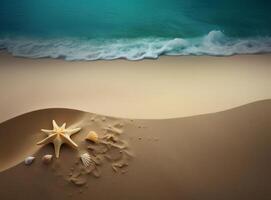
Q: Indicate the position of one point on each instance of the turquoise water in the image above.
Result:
(134, 29)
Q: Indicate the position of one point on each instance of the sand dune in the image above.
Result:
(224, 155)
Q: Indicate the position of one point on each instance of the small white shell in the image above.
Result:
(46, 159)
(29, 160)
(86, 159)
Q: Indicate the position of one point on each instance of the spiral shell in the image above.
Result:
(92, 136)
(86, 159)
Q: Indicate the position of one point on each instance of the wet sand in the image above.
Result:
(169, 87)
(224, 155)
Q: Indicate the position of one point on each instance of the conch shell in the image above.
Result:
(86, 159)
(92, 136)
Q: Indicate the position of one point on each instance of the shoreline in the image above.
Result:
(169, 87)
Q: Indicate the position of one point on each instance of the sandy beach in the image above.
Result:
(169, 87)
(224, 156)
(135, 100)
(193, 128)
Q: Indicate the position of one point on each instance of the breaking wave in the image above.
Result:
(215, 43)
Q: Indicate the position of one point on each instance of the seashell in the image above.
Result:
(92, 136)
(46, 159)
(86, 159)
(29, 160)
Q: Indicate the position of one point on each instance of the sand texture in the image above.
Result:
(224, 155)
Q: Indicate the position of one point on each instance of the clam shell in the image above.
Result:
(86, 159)
(46, 159)
(92, 136)
(29, 160)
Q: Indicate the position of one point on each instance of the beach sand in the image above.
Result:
(194, 128)
(223, 156)
(169, 87)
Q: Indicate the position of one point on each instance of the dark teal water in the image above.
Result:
(134, 29)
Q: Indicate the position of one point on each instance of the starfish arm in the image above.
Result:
(46, 140)
(63, 126)
(69, 141)
(57, 145)
(55, 125)
(48, 132)
(70, 132)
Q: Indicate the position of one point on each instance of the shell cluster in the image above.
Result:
(105, 147)
(46, 159)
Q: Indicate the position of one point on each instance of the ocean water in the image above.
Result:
(134, 29)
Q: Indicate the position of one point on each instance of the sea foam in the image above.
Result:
(214, 43)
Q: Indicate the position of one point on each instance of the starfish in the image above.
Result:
(58, 136)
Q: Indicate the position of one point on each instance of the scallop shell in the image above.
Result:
(86, 159)
(46, 159)
(92, 136)
(29, 160)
